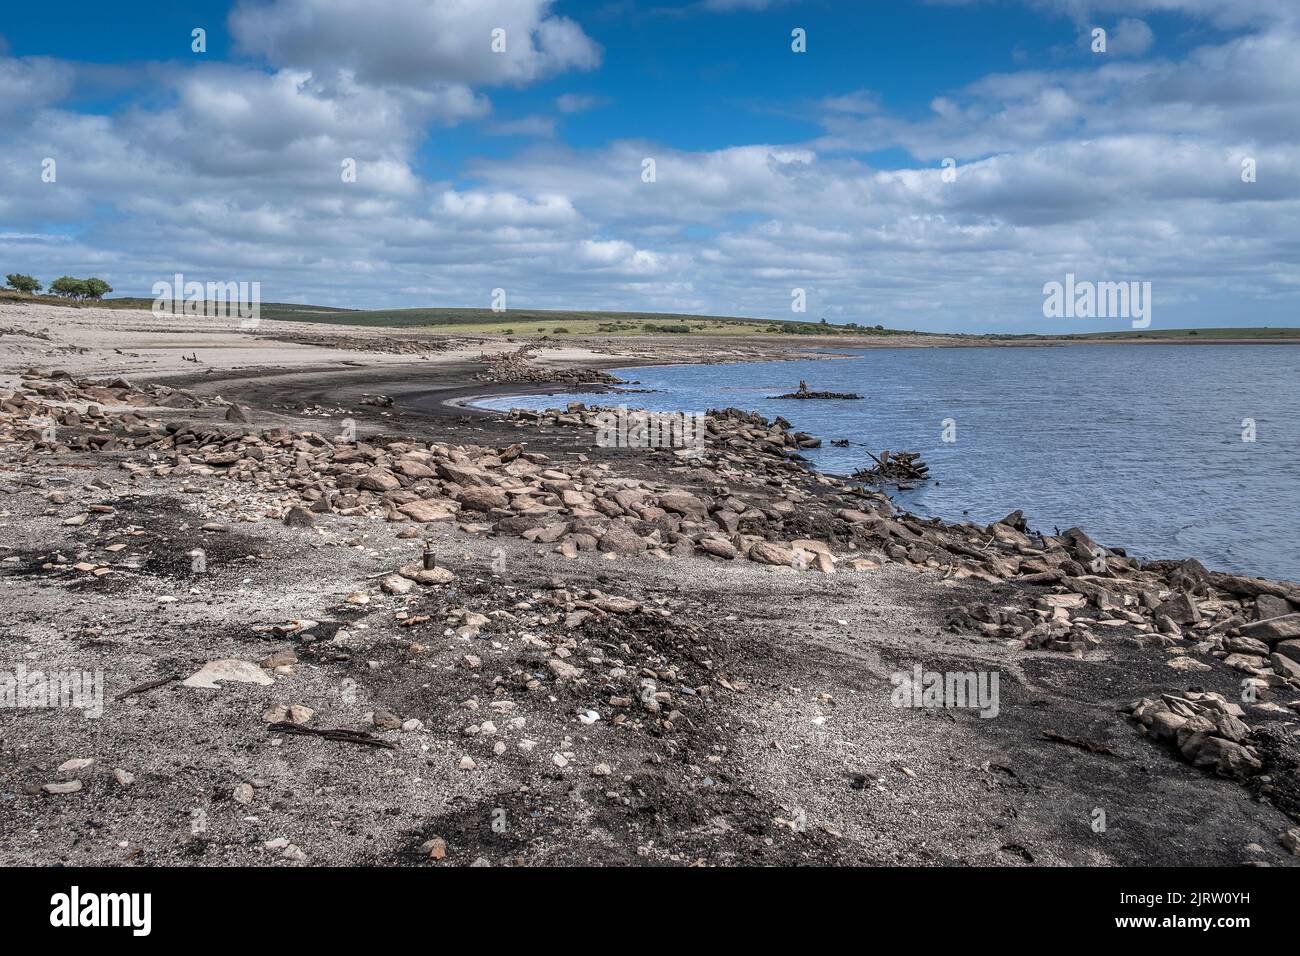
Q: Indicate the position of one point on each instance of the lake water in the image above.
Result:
(1139, 445)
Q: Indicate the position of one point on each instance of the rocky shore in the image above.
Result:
(415, 634)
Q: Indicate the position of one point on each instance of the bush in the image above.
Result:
(23, 283)
(70, 288)
(97, 288)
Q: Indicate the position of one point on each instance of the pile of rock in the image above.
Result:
(804, 393)
(386, 344)
(779, 514)
(1252, 625)
(1204, 728)
(517, 366)
(54, 393)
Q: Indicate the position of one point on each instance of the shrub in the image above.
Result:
(68, 287)
(23, 283)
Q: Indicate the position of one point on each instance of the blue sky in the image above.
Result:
(776, 170)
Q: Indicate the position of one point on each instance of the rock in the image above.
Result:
(617, 605)
(601, 770)
(620, 539)
(284, 658)
(124, 778)
(213, 673)
(1274, 629)
(237, 413)
(1183, 663)
(1291, 840)
(1224, 757)
(684, 503)
(298, 517)
(293, 713)
(563, 670)
(1269, 606)
(1180, 609)
(60, 789)
(1289, 649)
(243, 793)
(422, 575)
(478, 498)
(396, 584)
(385, 720)
(464, 475)
(467, 763)
(380, 480)
(717, 547)
(434, 849)
(427, 511)
(1285, 666)
(765, 552)
(75, 764)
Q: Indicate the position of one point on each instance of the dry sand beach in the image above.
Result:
(616, 655)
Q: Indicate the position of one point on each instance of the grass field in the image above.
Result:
(528, 323)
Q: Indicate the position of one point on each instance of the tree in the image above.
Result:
(96, 288)
(68, 287)
(23, 283)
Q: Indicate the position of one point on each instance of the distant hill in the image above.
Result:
(531, 322)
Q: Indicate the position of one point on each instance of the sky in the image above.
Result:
(666, 155)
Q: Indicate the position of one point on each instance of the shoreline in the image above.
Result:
(772, 607)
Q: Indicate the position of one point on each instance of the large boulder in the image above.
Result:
(1275, 629)
(684, 503)
(426, 511)
(464, 474)
(480, 498)
(767, 552)
(379, 480)
(1180, 609)
(717, 547)
(621, 539)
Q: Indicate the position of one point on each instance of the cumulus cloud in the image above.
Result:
(1126, 167)
(1129, 37)
(416, 43)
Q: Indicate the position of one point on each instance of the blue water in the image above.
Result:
(1140, 445)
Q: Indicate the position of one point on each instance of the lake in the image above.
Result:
(1140, 445)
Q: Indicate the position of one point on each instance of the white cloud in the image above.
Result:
(579, 102)
(416, 43)
(1126, 168)
(1129, 37)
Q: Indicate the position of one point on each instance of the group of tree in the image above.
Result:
(65, 286)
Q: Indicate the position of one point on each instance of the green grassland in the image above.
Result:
(528, 323)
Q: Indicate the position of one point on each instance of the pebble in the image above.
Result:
(70, 786)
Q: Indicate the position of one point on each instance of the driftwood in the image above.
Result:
(149, 685)
(1082, 744)
(896, 467)
(342, 736)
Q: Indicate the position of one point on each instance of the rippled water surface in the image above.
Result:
(1140, 445)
